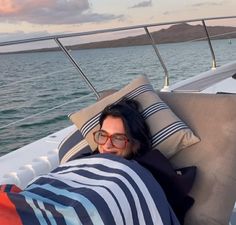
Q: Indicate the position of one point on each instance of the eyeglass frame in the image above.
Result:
(109, 136)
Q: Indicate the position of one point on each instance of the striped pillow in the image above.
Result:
(169, 133)
(72, 147)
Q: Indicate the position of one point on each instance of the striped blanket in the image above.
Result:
(100, 189)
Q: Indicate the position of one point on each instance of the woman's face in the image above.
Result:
(113, 127)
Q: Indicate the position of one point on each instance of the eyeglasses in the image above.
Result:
(117, 140)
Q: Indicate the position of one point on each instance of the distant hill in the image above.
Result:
(176, 33)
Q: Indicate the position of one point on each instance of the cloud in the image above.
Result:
(17, 35)
(51, 12)
(201, 4)
(142, 4)
(172, 12)
(196, 6)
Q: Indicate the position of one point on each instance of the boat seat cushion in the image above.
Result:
(73, 147)
(169, 133)
(213, 118)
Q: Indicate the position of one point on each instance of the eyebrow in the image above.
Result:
(114, 133)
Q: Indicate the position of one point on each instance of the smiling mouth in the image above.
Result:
(109, 151)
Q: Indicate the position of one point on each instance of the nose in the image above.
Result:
(108, 143)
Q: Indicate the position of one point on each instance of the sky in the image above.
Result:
(31, 18)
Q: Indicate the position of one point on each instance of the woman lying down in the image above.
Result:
(127, 184)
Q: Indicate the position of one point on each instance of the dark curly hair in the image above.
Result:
(135, 125)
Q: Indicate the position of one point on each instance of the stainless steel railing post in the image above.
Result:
(166, 78)
(76, 65)
(210, 45)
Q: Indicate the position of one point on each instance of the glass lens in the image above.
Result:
(119, 140)
(100, 137)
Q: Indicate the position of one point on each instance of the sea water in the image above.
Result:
(39, 90)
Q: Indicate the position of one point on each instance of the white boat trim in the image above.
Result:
(210, 81)
(21, 166)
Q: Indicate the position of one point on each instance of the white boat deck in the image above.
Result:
(21, 166)
(212, 81)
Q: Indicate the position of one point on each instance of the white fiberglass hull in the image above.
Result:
(218, 80)
(40, 157)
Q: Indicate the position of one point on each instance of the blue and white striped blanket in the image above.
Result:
(99, 189)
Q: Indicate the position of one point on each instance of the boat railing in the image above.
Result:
(146, 28)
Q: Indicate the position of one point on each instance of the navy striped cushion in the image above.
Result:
(169, 133)
(73, 147)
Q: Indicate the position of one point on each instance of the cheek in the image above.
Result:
(133, 148)
(130, 150)
(99, 148)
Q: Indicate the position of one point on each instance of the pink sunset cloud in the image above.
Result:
(50, 12)
(11, 7)
(8, 7)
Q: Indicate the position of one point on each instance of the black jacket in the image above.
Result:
(175, 183)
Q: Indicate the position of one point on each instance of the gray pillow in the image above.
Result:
(213, 117)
